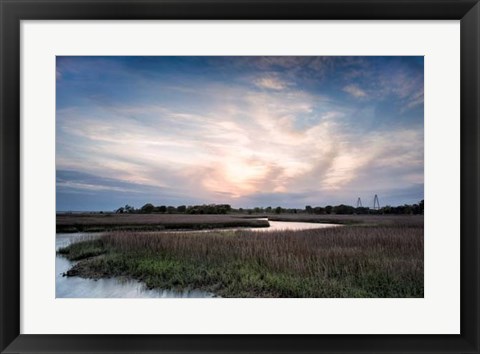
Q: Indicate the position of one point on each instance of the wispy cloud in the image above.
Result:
(355, 91)
(270, 82)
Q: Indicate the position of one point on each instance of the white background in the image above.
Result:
(438, 312)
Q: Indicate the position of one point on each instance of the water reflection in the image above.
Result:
(292, 225)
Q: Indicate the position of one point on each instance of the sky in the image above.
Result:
(245, 131)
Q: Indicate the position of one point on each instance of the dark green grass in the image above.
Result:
(83, 249)
(349, 261)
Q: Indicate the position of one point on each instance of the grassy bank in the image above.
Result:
(367, 261)
(149, 222)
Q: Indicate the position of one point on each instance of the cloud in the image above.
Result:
(230, 154)
(255, 147)
(74, 180)
(402, 83)
(415, 99)
(355, 91)
(274, 62)
(270, 82)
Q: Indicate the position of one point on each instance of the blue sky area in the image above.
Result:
(247, 131)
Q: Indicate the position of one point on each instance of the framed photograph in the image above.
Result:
(238, 176)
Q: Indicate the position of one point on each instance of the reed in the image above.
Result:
(353, 261)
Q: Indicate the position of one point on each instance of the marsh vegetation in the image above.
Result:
(149, 222)
(368, 257)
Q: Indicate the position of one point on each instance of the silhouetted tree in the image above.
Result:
(343, 209)
(147, 208)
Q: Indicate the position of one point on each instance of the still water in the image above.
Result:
(76, 287)
(291, 225)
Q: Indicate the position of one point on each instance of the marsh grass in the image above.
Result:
(367, 261)
(67, 223)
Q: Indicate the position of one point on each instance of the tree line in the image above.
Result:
(415, 209)
(181, 209)
(342, 209)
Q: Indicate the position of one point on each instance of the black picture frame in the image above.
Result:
(13, 11)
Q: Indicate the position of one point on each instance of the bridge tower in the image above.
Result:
(359, 203)
(376, 203)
